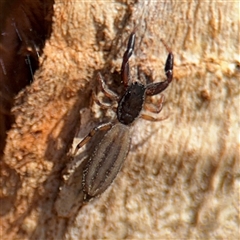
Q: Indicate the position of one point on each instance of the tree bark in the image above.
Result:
(181, 176)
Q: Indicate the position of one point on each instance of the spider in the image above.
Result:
(109, 155)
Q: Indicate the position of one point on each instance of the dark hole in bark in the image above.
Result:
(24, 26)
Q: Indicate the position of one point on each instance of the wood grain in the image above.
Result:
(181, 177)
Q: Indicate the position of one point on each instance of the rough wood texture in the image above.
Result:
(181, 177)
(24, 27)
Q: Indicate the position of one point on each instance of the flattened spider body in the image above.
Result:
(109, 155)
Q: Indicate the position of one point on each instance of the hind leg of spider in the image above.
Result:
(125, 65)
(86, 139)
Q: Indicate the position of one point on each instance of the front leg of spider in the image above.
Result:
(156, 88)
(126, 56)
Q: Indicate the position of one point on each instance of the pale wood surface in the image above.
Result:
(181, 177)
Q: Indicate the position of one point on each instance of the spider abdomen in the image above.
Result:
(106, 160)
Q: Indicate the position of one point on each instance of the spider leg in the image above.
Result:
(99, 103)
(110, 94)
(105, 126)
(126, 56)
(155, 108)
(151, 118)
(156, 88)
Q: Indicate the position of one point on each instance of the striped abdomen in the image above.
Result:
(106, 160)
